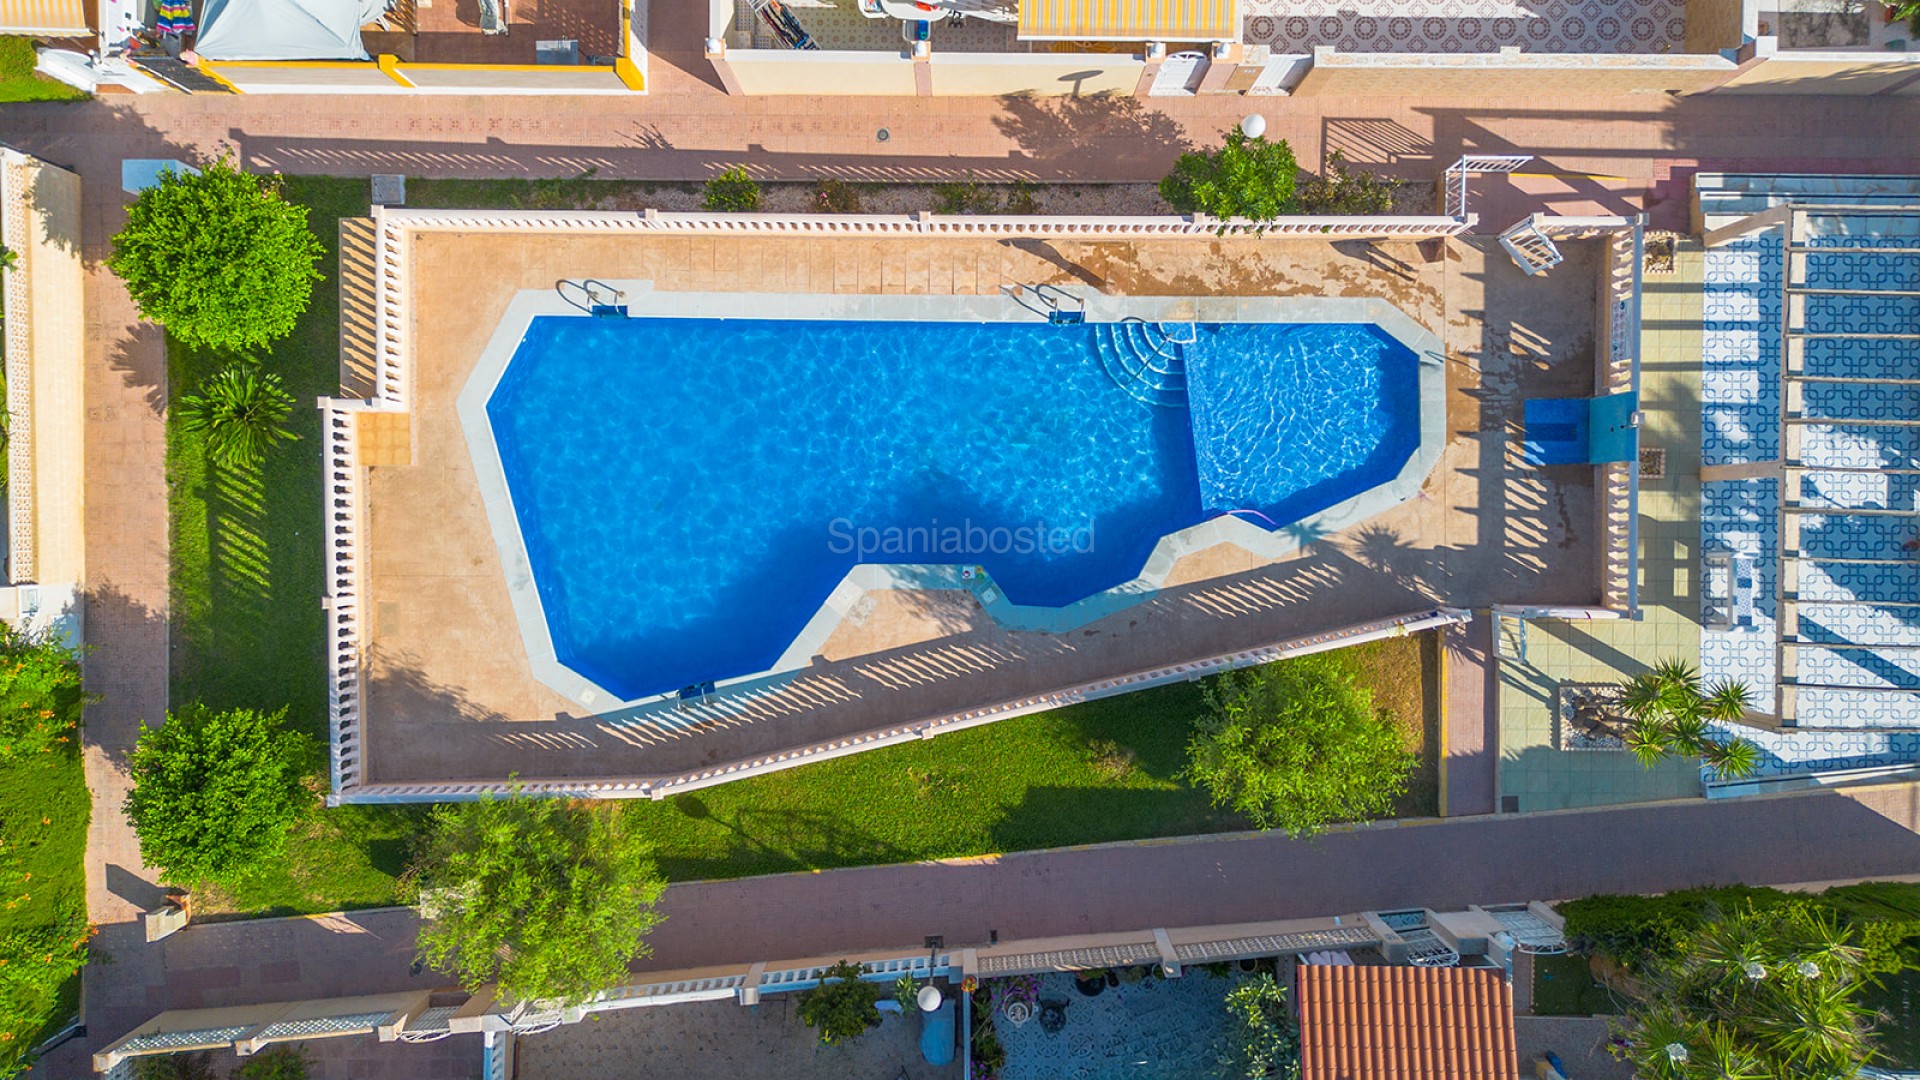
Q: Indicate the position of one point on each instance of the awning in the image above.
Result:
(1130, 20)
(47, 18)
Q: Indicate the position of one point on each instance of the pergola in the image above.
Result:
(1847, 629)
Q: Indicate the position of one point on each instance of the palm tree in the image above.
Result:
(1670, 711)
(240, 409)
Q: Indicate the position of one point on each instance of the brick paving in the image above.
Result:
(1598, 155)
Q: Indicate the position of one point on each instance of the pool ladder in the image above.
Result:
(1148, 360)
(601, 299)
(1049, 301)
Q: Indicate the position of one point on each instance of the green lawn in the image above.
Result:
(248, 631)
(44, 807)
(248, 628)
(18, 80)
(1565, 986)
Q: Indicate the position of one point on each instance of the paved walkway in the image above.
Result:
(1866, 832)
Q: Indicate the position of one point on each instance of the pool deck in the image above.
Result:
(451, 694)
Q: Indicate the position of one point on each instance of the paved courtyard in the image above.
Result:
(719, 1040)
(1535, 769)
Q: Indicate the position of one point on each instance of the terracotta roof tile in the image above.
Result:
(1406, 1023)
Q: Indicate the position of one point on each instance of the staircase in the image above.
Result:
(1147, 360)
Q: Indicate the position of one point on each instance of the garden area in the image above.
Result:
(249, 630)
(18, 80)
(44, 809)
(1748, 982)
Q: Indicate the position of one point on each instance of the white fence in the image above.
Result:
(15, 224)
(659, 787)
(346, 595)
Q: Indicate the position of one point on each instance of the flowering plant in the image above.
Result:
(1021, 988)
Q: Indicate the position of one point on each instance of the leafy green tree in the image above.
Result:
(214, 793)
(40, 694)
(842, 1007)
(1670, 711)
(548, 899)
(1298, 745)
(1343, 190)
(1755, 994)
(1247, 178)
(732, 191)
(219, 257)
(1261, 1040)
(241, 411)
(276, 1063)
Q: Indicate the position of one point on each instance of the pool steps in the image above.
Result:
(1147, 360)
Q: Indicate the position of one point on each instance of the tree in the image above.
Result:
(842, 1007)
(1669, 712)
(1755, 994)
(1261, 1040)
(1298, 745)
(732, 190)
(214, 793)
(1341, 190)
(240, 409)
(1245, 178)
(40, 694)
(219, 257)
(546, 898)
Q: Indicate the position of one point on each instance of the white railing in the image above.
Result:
(1459, 172)
(1619, 372)
(917, 224)
(344, 594)
(659, 787)
(390, 308)
(16, 233)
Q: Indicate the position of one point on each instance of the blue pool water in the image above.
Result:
(690, 490)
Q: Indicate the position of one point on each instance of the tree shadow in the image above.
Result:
(123, 637)
(1049, 817)
(777, 841)
(1056, 129)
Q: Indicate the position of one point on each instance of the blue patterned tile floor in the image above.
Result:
(1150, 1029)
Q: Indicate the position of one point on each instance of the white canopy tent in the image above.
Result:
(285, 29)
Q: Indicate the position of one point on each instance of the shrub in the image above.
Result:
(219, 258)
(278, 1063)
(1341, 190)
(842, 1007)
(965, 197)
(241, 410)
(1762, 992)
(40, 695)
(836, 197)
(9, 258)
(187, 1066)
(1298, 745)
(1643, 932)
(733, 191)
(1245, 178)
(34, 965)
(1023, 198)
(214, 793)
(1261, 1040)
(548, 899)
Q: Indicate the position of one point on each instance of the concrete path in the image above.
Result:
(1471, 766)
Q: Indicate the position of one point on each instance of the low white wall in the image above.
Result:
(822, 73)
(1048, 73)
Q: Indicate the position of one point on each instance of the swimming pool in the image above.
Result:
(689, 491)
